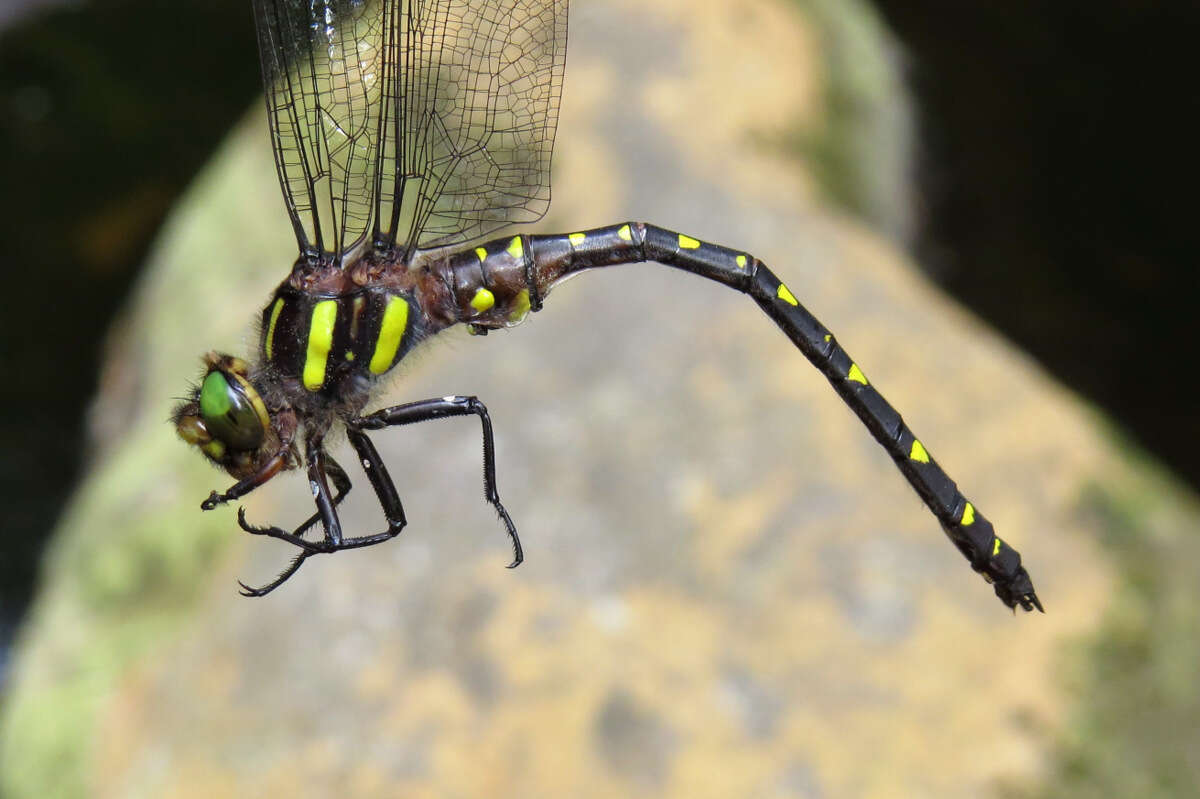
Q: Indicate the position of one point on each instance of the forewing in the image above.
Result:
(324, 69)
(470, 117)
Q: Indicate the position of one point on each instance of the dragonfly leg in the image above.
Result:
(243, 487)
(342, 484)
(424, 411)
(319, 464)
(295, 565)
(385, 491)
(272, 466)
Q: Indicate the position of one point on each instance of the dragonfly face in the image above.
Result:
(226, 418)
(404, 127)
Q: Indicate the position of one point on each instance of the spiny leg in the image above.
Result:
(243, 487)
(441, 408)
(341, 482)
(246, 590)
(317, 465)
(385, 490)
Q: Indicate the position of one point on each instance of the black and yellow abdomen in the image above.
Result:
(317, 339)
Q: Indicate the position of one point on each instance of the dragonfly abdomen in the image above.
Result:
(528, 267)
(490, 286)
(497, 283)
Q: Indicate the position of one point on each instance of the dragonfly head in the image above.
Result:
(225, 417)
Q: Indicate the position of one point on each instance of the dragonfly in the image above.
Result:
(404, 131)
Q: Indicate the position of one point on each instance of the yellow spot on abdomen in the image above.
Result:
(969, 516)
(576, 239)
(481, 253)
(688, 243)
(269, 344)
(625, 234)
(856, 374)
(482, 300)
(918, 453)
(320, 341)
(520, 306)
(515, 248)
(391, 331)
(785, 295)
(996, 547)
(741, 261)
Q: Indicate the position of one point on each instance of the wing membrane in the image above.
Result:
(324, 73)
(421, 123)
(476, 105)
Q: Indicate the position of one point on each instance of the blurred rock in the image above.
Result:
(729, 590)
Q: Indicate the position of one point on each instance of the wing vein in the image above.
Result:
(410, 124)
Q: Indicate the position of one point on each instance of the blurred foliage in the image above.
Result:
(1135, 727)
(133, 557)
(860, 149)
(106, 113)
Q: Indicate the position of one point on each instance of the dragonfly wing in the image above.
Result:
(324, 71)
(416, 123)
(471, 119)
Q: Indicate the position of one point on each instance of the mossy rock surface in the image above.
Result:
(728, 591)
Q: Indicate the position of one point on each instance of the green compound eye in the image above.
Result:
(229, 413)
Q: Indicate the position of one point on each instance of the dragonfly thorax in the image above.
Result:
(322, 339)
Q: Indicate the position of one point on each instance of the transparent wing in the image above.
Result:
(324, 71)
(469, 124)
(419, 122)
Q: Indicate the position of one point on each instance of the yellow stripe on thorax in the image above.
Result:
(391, 331)
(320, 342)
(268, 345)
